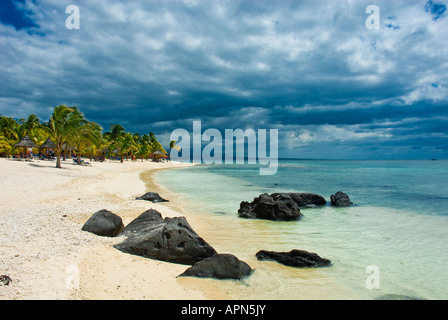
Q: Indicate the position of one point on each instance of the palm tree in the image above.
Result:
(30, 123)
(143, 150)
(5, 146)
(173, 146)
(86, 135)
(125, 144)
(63, 123)
(8, 134)
(116, 130)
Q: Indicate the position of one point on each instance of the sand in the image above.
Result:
(47, 256)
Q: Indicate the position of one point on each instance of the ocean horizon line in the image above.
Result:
(340, 159)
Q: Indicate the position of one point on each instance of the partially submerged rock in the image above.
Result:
(219, 266)
(294, 258)
(283, 206)
(169, 239)
(151, 196)
(278, 207)
(305, 200)
(340, 199)
(104, 223)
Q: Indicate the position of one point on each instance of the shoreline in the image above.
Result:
(46, 254)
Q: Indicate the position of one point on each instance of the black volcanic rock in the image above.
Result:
(278, 207)
(294, 258)
(104, 223)
(151, 196)
(170, 239)
(340, 199)
(304, 200)
(145, 221)
(219, 266)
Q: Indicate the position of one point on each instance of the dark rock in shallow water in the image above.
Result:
(305, 199)
(104, 223)
(151, 196)
(170, 239)
(340, 199)
(219, 266)
(278, 207)
(294, 258)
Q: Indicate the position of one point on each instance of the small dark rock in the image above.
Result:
(104, 223)
(294, 258)
(5, 280)
(340, 199)
(219, 266)
(151, 196)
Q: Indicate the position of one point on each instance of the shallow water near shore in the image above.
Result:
(398, 224)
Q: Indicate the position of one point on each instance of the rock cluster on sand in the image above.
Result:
(173, 240)
(294, 258)
(340, 199)
(104, 223)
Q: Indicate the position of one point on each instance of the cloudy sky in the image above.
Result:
(311, 69)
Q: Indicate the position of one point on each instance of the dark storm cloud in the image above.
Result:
(13, 13)
(308, 68)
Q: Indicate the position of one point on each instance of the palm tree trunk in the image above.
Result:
(58, 158)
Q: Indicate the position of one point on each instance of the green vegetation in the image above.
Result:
(74, 134)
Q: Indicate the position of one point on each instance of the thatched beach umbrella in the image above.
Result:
(158, 154)
(26, 142)
(48, 144)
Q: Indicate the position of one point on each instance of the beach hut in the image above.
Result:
(26, 142)
(158, 154)
(48, 144)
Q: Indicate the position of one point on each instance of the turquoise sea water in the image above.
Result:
(399, 225)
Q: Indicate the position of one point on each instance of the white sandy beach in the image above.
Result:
(47, 256)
